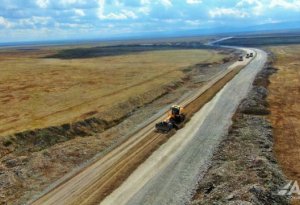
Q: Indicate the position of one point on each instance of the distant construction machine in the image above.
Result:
(249, 55)
(175, 118)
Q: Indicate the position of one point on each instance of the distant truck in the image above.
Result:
(241, 58)
(251, 55)
(248, 55)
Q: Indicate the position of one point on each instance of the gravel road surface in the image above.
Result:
(170, 174)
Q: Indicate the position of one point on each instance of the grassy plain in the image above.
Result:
(37, 92)
(284, 101)
(264, 40)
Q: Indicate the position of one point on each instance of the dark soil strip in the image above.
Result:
(103, 51)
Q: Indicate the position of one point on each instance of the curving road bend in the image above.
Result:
(170, 174)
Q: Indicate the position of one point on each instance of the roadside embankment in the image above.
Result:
(244, 169)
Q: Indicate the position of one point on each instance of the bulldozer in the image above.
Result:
(175, 118)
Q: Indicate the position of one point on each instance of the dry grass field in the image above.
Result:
(37, 92)
(284, 101)
(73, 95)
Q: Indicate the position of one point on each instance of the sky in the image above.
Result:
(40, 20)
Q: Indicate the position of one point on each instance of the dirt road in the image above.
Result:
(170, 174)
(97, 181)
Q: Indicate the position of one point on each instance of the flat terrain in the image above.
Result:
(263, 40)
(284, 101)
(108, 172)
(122, 92)
(37, 92)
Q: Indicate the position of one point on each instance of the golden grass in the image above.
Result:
(37, 92)
(284, 101)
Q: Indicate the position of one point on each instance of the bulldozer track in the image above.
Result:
(93, 183)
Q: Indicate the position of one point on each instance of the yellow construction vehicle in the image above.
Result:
(175, 117)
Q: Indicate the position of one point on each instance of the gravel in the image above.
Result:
(244, 169)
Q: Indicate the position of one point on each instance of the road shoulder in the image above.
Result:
(244, 169)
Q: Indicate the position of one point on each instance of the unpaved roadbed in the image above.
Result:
(98, 180)
(244, 169)
(170, 175)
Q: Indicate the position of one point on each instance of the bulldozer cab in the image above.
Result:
(175, 109)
